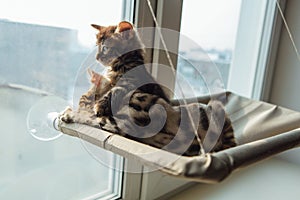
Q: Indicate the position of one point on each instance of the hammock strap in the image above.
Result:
(288, 30)
(202, 151)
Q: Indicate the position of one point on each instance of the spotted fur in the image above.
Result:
(144, 113)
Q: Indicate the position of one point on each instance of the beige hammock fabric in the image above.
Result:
(261, 130)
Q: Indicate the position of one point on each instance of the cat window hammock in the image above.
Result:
(261, 130)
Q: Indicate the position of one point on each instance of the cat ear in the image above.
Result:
(124, 26)
(96, 26)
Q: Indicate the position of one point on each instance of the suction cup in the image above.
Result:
(42, 118)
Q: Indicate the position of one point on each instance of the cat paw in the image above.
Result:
(67, 115)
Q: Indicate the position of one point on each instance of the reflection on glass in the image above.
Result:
(212, 25)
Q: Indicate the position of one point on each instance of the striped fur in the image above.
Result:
(120, 49)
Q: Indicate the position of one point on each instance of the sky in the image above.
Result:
(210, 23)
(64, 13)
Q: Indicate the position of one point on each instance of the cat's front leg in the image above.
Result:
(80, 116)
(67, 116)
(113, 98)
(102, 106)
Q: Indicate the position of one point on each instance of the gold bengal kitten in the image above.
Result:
(121, 103)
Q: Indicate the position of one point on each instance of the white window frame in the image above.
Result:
(256, 47)
(252, 80)
(155, 184)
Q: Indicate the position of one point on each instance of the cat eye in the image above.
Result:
(105, 49)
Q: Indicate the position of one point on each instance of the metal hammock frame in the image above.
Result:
(261, 130)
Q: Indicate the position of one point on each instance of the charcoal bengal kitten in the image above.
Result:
(128, 101)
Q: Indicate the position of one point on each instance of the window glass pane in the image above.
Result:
(42, 45)
(211, 26)
(46, 41)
